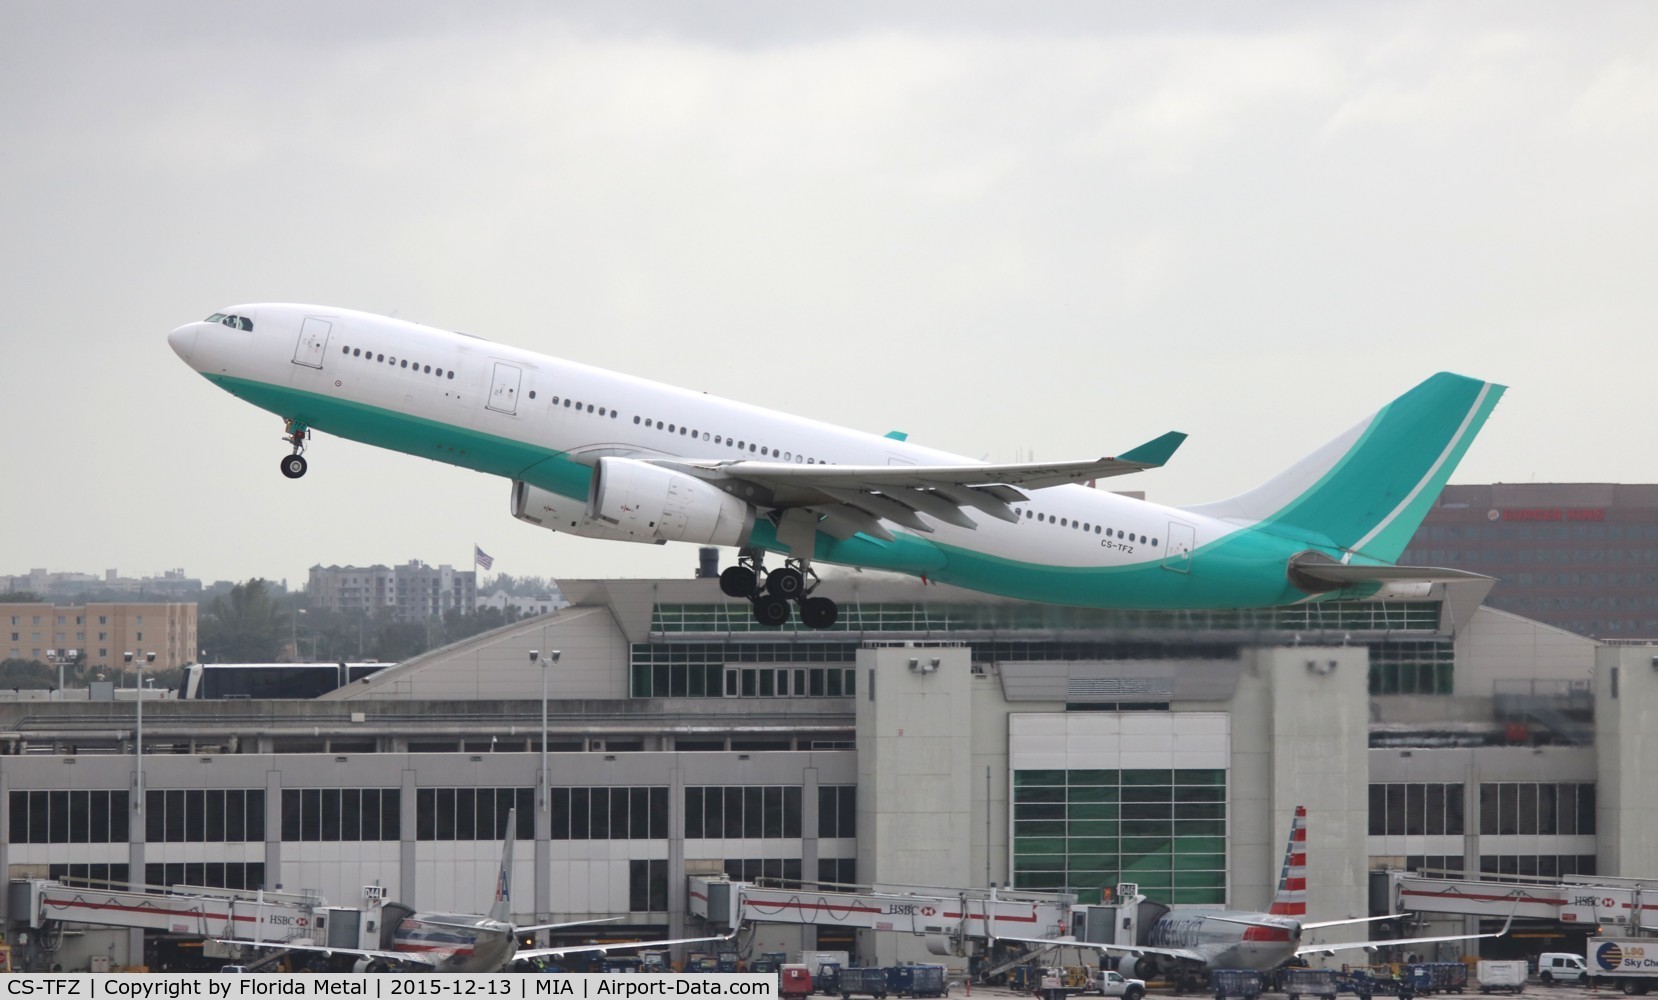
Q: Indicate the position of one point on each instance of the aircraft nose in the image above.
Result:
(183, 341)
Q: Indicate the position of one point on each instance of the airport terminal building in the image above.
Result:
(933, 737)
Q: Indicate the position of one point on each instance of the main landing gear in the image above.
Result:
(771, 593)
(295, 433)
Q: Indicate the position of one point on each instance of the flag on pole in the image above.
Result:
(481, 558)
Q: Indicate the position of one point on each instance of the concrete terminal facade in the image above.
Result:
(934, 737)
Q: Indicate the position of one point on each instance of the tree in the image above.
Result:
(27, 674)
(246, 626)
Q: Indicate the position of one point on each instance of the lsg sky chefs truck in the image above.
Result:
(1630, 964)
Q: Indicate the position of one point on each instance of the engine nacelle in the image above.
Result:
(638, 502)
(649, 503)
(557, 512)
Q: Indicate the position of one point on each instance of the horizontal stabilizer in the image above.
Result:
(1316, 573)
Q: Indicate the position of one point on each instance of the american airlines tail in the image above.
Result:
(1291, 900)
(502, 908)
(1366, 492)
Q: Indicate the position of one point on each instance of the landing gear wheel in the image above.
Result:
(769, 609)
(818, 612)
(787, 583)
(737, 581)
(293, 466)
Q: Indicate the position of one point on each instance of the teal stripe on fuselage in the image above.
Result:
(1225, 573)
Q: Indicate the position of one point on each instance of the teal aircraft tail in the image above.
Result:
(1367, 491)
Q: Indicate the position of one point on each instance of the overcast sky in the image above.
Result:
(1011, 230)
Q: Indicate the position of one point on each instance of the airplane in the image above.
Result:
(601, 454)
(462, 942)
(1185, 944)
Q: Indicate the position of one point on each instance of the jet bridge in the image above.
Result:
(948, 918)
(1620, 906)
(209, 913)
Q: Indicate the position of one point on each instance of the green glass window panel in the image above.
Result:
(1163, 829)
(1199, 810)
(1153, 883)
(1198, 897)
(1086, 793)
(1200, 776)
(1091, 776)
(1148, 810)
(1198, 862)
(1148, 793)
(1199, 793)
(1038, 810)
(1199, 828)
(1093, 828)
(641, 680)
(1039, 863)
(1199, 879)
(1148, 776)
(1201, 845)
(1093, 862)
(1092, 810)
(1145, 863)
(1038, 777)
(1038, 793)
(1039, 828)
(1094, 845)
(1042, 880)
(1038, 845)
(1139, 847)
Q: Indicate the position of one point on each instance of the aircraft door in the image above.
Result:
(313, 341)
(1177, 551)
(503, 393)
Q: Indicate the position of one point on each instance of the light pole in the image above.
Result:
(543, 828)
(138, 660)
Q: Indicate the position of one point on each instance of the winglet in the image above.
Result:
(1155, 452)
(897, 435)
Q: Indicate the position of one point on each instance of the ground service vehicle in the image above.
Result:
(1246, 983)
(1111, 983)
(794, 982)
(1320, 983)
(1443, 977)
(1503, 975)
(870, 982)
(1629, 963)
(1560, 967)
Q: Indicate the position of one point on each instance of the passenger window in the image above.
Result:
(670, 428)
(380, 358)
(601, 409)
(451, 374)
(753, 447)
(345, 350)
(532, 393)
(1154, 543)
(405, 362)
(567, 404)
(356, 352)
(636, 420)
(589, 407)
(428, 371)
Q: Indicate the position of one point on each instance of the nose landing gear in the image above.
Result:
(293, 466)
(793, 582)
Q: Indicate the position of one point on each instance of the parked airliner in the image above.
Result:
(1184, 944)
(461, 942)
(607, 455)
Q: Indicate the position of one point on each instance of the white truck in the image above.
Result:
(1560, 967)
(1110, 983)
(1630, 964)
(1503, 975)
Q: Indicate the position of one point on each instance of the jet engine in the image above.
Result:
(635, 501)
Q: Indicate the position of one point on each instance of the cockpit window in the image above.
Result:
(234, 322)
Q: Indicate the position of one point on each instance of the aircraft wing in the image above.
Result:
(572, 923)
(1330, 949)
(317, 949)
(855, 498)
(1124, 949)
(612, 946)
